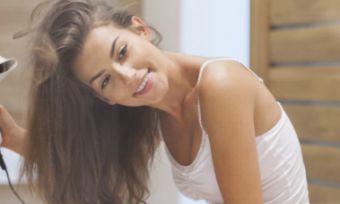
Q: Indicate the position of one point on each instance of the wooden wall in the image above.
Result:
(295, 47)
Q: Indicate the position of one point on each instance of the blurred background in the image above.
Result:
(294, 45)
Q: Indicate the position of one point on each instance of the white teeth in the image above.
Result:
(143, 84)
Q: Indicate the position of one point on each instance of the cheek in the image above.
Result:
(163, 80)
(115, 93)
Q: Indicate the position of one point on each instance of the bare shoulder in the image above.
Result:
(228, 86)
(227, 75)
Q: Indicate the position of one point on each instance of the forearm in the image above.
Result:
(17, 141)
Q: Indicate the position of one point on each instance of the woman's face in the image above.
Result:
(121, 66)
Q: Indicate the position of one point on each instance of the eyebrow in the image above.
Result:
(113, 46)
(96, 76)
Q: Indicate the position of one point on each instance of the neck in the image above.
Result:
(182, 71)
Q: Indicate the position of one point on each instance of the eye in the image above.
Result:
(105, 81)
(122, 52)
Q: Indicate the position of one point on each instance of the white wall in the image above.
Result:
(216, 28)
(202, 27)
(13, 164)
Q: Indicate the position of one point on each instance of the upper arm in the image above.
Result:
(227, 97)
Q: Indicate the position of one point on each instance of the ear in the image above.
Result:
(138, 25)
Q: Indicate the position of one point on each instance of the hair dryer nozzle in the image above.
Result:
(6, 66)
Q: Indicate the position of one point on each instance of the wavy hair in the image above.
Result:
(81, 150)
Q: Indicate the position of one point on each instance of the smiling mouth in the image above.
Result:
(143, 84)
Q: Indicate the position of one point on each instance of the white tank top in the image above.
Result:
(282, 169)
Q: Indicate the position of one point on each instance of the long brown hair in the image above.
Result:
(81, 150)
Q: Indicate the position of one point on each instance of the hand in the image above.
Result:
(12, 134)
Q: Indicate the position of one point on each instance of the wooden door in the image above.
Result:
(295, 47)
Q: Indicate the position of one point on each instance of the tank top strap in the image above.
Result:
(200, 76)
(221, 59)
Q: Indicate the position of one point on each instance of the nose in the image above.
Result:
(125, 73)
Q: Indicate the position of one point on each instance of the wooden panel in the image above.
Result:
(298, 49)
(303, 11)
(133, 6)
(322, 162)
(323, 195)
(22, 10)
(259, 39)
(315, 122)
(305, 44)
(13, 48)
(7, 196)
(303, 83)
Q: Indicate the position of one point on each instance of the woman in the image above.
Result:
(104, 95)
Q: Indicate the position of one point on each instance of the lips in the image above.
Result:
(141, 88)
